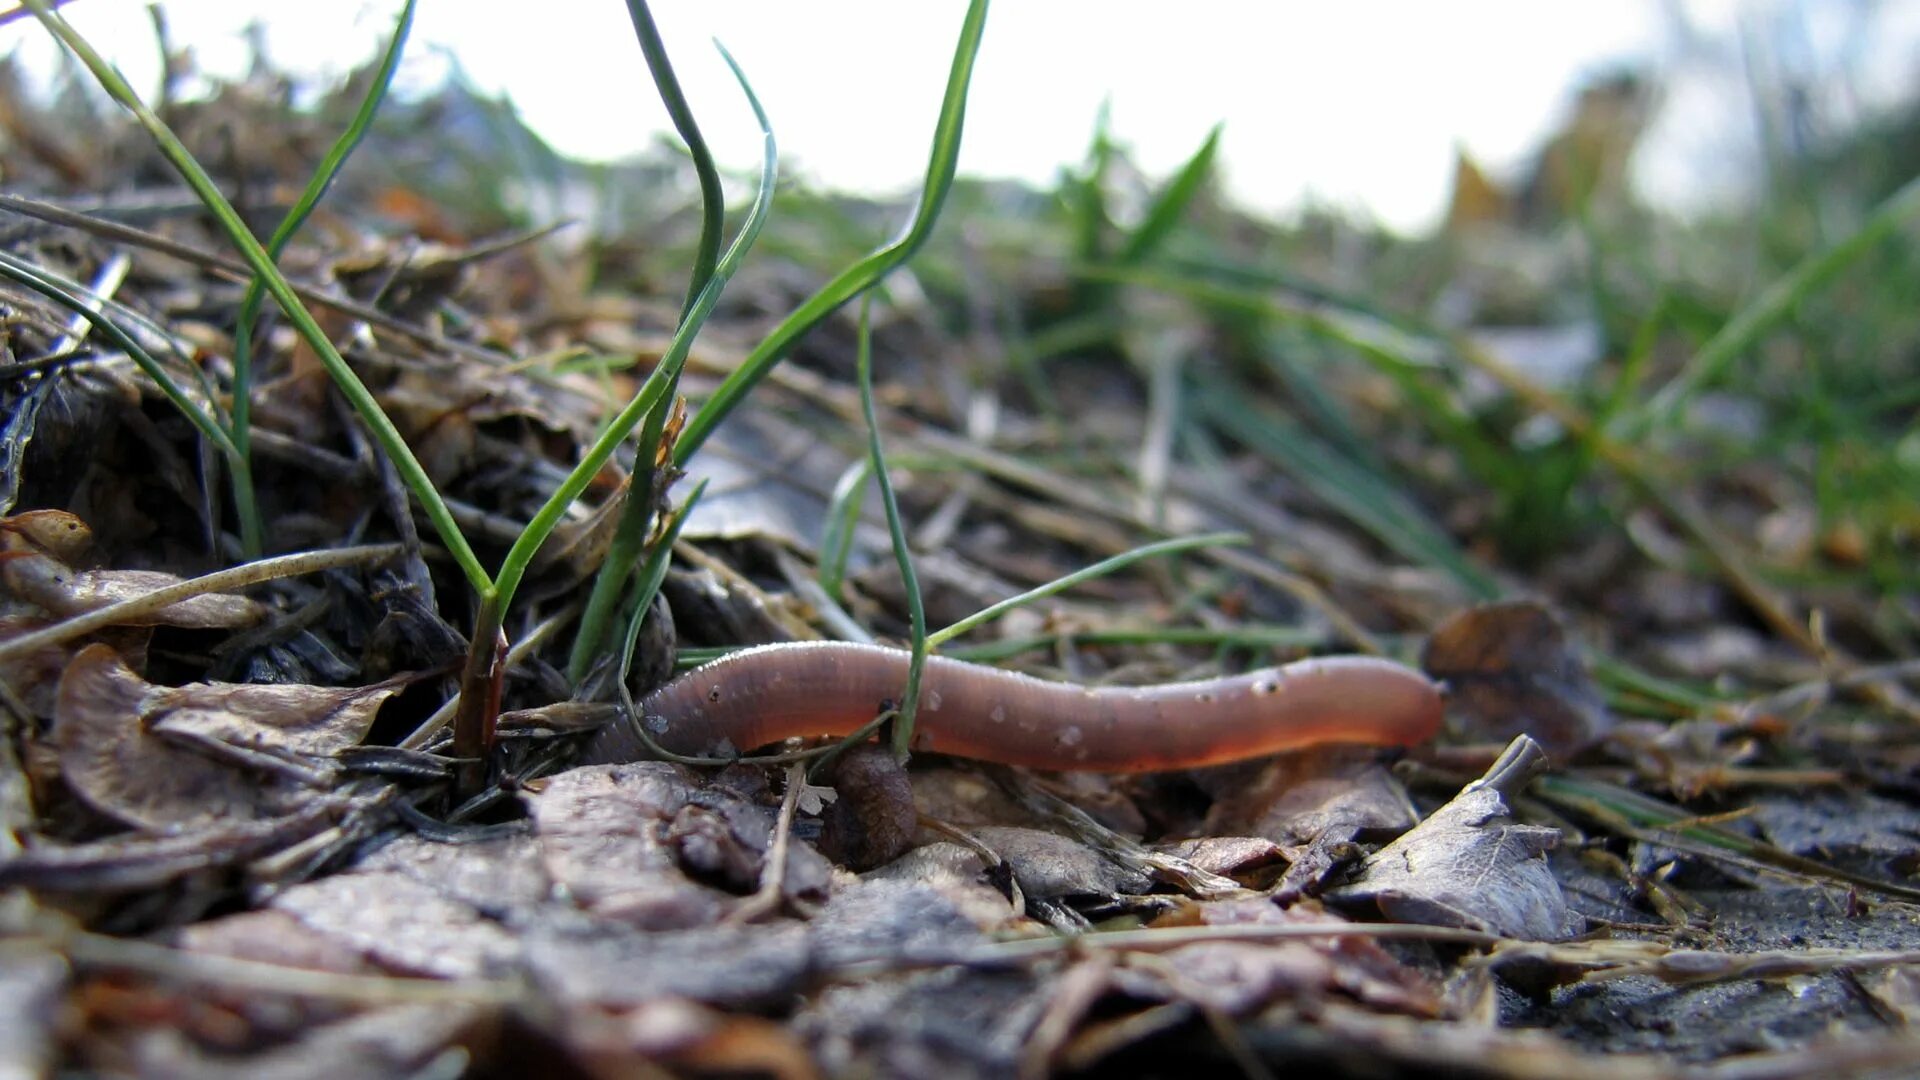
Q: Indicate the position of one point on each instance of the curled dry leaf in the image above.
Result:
(119, 740)
(1511, 670)
(1471, 865)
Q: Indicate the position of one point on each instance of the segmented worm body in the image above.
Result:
(773, 692)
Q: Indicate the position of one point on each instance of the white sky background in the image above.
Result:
(1354, 105)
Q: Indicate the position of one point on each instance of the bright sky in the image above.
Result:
(1358, 105)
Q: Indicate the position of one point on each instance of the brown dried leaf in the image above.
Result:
(959, 874)
(35, 676)
(502, 875)
(880, 920)
(1229, 856)
(112, 729)
(272, 937)
(317, 721)
(110, 759)
(1511, 670)
(1471, 865)
(402, 925)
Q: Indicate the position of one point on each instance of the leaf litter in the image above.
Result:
(206, 876)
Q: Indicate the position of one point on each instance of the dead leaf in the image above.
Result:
(58, 588)
(1229, 856)
(402, 925)
(880, 920)
(1470, 865)
(1297, 798)
(1510, 670)
(602, 834)
(317, 721)
(946, 1023)
(121, 739)
(612, 965)
(1049, 866)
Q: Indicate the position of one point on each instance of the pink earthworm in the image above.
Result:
(770, 693)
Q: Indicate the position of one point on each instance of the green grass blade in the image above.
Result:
(1099, 569)
(1649, 819)
(1172, 202)
(653, 391)
(843, 515)
(1366, 498)
(863, 274)
(316, 189)
(713, 203)
(412, 473)
(1776, 302)
(653, 573)
(910, 581)
(630, 533)
(1292, 638)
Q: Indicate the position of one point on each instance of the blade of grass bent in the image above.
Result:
(857, 278)
(652, 392)
(713, 206)
(630, 533)
(356, 392)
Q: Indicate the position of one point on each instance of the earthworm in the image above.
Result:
(773, 692)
